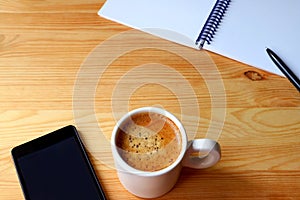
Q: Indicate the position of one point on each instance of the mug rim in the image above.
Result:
(126, 167)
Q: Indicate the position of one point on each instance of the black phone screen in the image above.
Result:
(56, 167)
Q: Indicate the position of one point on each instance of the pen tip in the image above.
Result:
(269, 51)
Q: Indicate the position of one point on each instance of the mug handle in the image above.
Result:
(201, 153)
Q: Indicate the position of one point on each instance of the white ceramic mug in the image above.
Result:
(154, 184)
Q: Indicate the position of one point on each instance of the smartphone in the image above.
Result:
(56, 166)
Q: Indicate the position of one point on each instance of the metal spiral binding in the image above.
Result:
(212, 23)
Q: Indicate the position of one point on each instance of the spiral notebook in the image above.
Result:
(238, 29)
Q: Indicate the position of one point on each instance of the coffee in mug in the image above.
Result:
(149, 141)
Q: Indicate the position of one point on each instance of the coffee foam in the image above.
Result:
(149, 142)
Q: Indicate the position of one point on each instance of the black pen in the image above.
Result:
(284, 68)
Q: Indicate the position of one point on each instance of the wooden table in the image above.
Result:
(42, 47)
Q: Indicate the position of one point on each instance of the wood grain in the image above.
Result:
(43, 45)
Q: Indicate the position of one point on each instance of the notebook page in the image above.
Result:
(250, 26)
(180, 21)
